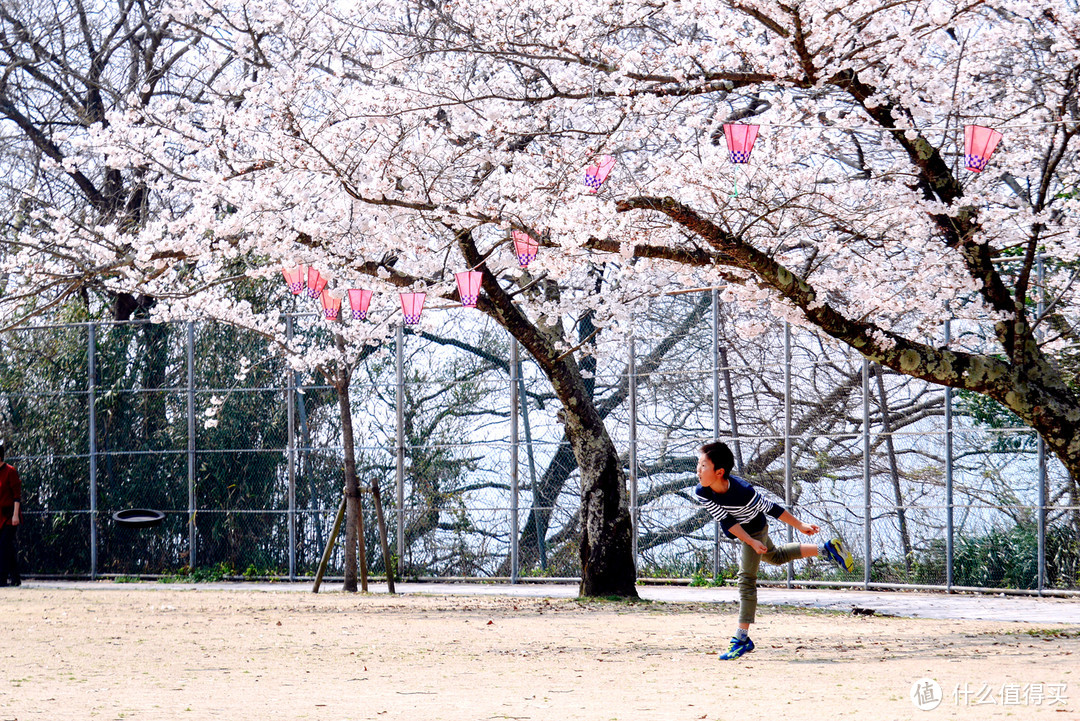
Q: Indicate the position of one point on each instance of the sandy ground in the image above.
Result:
(114, 653)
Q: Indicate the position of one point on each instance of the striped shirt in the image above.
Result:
(741, 504)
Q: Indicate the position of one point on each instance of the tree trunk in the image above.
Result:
(607, 559)
(353, 519)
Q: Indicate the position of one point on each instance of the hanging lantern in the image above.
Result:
(740, 141)
(412, 305)
(525, 246)
(315, 283)
(359, 300)
(979, 144)
(294, 278)
(595, 175)
(468, 284)
(331, 305)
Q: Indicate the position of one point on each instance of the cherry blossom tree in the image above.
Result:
(68, 67)
(393, 143)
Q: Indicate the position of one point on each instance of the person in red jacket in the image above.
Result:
(10, 517)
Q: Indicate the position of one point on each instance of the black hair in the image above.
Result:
(720, 455)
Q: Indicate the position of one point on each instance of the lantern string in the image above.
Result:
(943, 128)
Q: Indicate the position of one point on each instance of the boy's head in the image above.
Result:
(719, 455)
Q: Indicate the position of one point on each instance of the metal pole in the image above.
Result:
(631, 372)
(192, 549)
(91, 372)
(790, 570)
(400, 408)
(716, 411)
(514, 545)
(1043, 491)
(291, 414)
(948, 476)
(866, 470)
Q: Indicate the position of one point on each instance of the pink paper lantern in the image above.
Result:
(315, 283)
(468, 284)
(525, 247)
(595, 175)
(294, 278)
(740, 141)
(331, 305)
(359, 300)
(979, 145)
(412, 305)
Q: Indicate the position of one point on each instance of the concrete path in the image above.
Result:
(894, 603)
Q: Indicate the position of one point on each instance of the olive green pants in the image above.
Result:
(748, 570)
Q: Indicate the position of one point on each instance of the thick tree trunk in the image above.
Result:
(607, 559)
(607, 563)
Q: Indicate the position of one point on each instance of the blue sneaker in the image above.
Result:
(839, 555)
(737, 648)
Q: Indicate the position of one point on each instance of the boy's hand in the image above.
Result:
(809, 529)
(758, 546)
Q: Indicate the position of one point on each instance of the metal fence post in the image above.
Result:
(717, 535)
(290, 401)
(867, 521)
(192, 549)
(514, 546)
(790, 570)
(91, 373)
(948, 476)
(631, 372)
(400, 463)
(1043, 491)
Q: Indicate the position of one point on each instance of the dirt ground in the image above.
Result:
(119, 653)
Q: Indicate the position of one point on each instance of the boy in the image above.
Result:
(741, 512)
(10, 516)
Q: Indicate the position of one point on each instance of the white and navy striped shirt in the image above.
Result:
(741, 504)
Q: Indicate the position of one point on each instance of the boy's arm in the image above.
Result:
(738, 532)
(807, 528)
(15, 515)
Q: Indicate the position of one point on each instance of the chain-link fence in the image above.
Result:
(201, 421)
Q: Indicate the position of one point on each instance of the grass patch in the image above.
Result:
(1046, 633)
